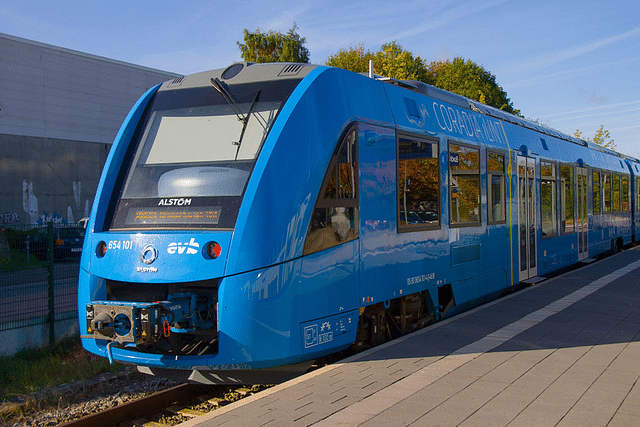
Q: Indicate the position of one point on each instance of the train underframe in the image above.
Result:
(185, 322)
(391, 319)
(182, 319)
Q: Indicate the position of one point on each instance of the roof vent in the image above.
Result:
(176, 81)
(291, 70)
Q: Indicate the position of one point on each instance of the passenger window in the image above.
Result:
(418, 184)
(624, 193)
(606, 185)
(464, 185)
(567, 209)
(335, 217)
(596, 192)
(548, 199)
(637, 194)
(496, 182)
(616, 192)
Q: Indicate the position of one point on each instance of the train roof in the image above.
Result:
(248, 72)
(470, 104)
(242, 72)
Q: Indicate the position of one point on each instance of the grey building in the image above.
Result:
(59, 113)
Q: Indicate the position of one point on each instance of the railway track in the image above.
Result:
(167, 407)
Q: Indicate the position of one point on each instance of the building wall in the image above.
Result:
(47, 179)
(59, 113)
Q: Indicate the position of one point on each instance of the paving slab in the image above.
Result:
(564, 352)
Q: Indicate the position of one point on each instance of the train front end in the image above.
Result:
(155, 288)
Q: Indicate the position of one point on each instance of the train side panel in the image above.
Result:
(458, 262)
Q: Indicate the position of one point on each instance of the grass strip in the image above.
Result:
(32, 370)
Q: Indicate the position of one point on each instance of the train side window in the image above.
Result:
(595, 180)
(335, 216)
(624, 193)
(606, 185)
(418, 184)
(548, 199)
(464, 185)
(616, 192)
(567, 208)
(496, 183)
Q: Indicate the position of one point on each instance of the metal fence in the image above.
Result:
(39, 275)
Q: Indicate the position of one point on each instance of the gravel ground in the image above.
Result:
(54, 406)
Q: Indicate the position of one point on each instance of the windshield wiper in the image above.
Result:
(244, 123)
(226, 95)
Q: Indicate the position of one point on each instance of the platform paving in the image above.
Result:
(565, 352)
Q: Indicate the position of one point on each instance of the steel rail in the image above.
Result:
(154, 403)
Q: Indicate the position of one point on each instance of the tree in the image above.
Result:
(460, 76)
(390, 61)
(469, 79)
(600, 138)
(354, 59)
(274, 46)
(395, 62)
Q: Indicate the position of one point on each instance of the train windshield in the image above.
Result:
(193, 154)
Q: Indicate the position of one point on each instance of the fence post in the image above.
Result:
(52, 316)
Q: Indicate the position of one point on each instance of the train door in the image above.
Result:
(527, 224)
(582, 221)
(377, 216)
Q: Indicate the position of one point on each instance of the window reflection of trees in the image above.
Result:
(464, 185)
(335, 217)
(606, 184)
(616, 192)
(496, 181)
(624, 195)
(595, 187)
(418, 184)
(548, 199)
(567, 208)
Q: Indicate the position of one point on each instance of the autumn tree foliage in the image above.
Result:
(354, 59)
(273, 46)
(469, 79)
(390, 61)
(393, 60)
(460, 76)
(602, 138)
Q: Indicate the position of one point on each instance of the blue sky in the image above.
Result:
(569, 64)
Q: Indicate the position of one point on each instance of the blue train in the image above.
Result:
(252, 219)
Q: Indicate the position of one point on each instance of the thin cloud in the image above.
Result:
(372, 25)
(284, 20)
(615, 117)
(598, 115)
(446, 18)
(571, 72)
(572, 52)
(602, 107)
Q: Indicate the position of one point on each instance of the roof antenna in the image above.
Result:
(371, 75)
